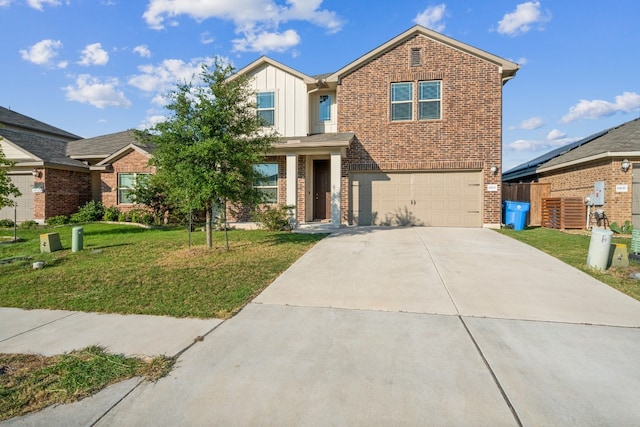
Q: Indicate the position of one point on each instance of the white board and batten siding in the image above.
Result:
(291, 99)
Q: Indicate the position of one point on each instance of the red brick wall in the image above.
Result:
(578, 180)
(132, 162)
(469, 135)
(64, 192)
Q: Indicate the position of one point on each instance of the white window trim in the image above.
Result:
(411, 101)
(135, 180)
(266, 187)
(275, 105)
(439, 100)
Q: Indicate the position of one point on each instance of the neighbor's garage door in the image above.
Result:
(440, 199)
(24, 209)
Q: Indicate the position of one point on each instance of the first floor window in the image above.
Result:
(126, 183)
(268, 185)
(429, 100)
(401, 101)
(266, 106)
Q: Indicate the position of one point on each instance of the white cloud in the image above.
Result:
(37, 4)
(5, 3)
(163, 77)
(143, 51)
(531, 123)
(206, 38)
(257, 21)
(598, 108)
(432, 17)
(266, 42)
(43, 52)
(90, 90)
(552, 141)
(555, 134)
(93, 54)
(520, 20)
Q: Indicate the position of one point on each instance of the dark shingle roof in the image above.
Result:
(50, 150)
(102, 146)
(11, 119)
(624, 138)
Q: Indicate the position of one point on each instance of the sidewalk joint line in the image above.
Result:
(40, 326)
(493, 374)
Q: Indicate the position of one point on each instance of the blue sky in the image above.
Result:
(93, 67)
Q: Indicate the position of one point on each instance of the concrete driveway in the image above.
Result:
(407, 326)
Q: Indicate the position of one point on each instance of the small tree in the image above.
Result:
(207, 148)
(7, 188)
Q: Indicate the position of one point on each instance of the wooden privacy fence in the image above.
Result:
(564, 212)
(532, 193)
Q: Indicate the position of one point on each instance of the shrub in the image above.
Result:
(6, 223)
(91, 211)
(146, 218)
(276, 218)
(123, 217)
(58, 220)
(111, 214)
(29, 224)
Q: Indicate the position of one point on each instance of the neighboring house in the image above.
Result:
(50, 182)
(611, 157)
(57, 171)
(409, 133)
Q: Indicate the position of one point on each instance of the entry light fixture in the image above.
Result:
(36, 173)
(494, 169)
(625, 165)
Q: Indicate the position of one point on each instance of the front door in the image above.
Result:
(321, 190)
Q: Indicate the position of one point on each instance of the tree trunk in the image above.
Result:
(208, 229)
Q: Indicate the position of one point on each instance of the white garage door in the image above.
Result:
(439, 199)
(24, 202)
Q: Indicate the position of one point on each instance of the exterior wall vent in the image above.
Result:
(416, 59)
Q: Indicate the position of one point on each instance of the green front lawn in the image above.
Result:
(572, 248)
(126, 269)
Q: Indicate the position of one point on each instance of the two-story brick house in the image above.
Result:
(409, 133)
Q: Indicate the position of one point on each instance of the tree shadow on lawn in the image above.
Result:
(296, 238)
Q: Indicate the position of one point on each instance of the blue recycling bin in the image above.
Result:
(516, 214)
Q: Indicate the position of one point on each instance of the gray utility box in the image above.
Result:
(50, 242)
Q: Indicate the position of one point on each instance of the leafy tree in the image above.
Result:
(206, 150)
(7, 188)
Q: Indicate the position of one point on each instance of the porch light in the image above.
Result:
(625, 165)
(494, 169)
(36, 173)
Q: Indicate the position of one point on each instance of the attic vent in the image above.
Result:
(415, 57)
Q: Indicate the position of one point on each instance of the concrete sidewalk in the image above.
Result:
(403, 326)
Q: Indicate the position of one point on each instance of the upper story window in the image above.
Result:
(126, 183)
(402, 101)
(269, 184)
(324, 108)
(266, 107)
(429, 100)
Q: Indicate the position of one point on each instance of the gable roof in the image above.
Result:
(509, 68)
(143, 149)
(264, 60)
(529, 168)
(101, 147)
(43, 151)
(16, 121)
(618, 141)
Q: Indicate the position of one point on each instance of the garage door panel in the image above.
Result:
(24, 209)
(421, 198)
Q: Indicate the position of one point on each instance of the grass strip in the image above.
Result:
(29, 383)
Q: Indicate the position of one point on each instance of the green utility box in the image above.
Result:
(50, 242)
(76, 239)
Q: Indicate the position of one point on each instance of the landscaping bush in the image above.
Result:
(276, 218)
(6, 223)
(29, 224)
(123, 217)
(91, 211)
(58, 220)
(111, 214)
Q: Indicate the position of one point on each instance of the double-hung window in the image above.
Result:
(268, 184)
(402, 101)
(126, 184)
(266, 107)
(325, 108)
(429, 100)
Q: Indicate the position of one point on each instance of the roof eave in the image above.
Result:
(592, 158)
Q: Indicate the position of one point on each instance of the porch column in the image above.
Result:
(292, 181)
(336, 190)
